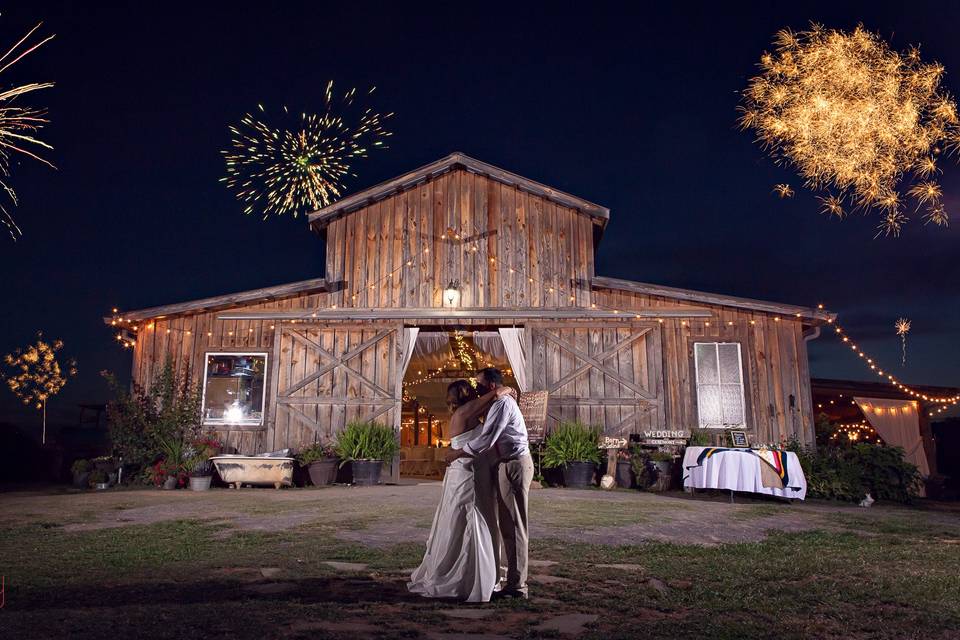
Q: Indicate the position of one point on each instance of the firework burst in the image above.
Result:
(300, 165)
(18, 125)
(902, 325)
(854, 117)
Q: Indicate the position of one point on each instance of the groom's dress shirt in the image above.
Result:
(503, 429)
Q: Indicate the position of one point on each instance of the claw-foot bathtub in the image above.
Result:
(238, 470)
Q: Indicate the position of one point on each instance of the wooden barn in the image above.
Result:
(460, 264)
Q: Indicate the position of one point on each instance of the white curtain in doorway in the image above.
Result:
(408, 343)
(898, 423)
(516, 355)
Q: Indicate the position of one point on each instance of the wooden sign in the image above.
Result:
(662, 437)
(533, 408)
(613, 443)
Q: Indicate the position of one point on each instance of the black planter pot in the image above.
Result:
(579, 475)
(322, 472)
(366, 472)
(625, 476)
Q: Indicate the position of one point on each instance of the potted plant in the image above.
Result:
(201, 473)
(320, 461)
(81, 472)
(625, 476)
(198, 456)
(366, 446)
(573, 446)
(662, 462)
(99, 479)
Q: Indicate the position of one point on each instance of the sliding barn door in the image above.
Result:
(330, 375)
(600, 374)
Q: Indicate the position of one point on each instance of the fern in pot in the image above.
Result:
(366, 446)
(573, 447)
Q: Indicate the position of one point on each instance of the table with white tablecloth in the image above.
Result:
(743, 470)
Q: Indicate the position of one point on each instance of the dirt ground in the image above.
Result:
(333, 563)
(405, 512)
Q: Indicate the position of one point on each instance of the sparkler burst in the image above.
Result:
(19, 124)
(300, 165)
(902, 325)
(854, 118)
(783, 190)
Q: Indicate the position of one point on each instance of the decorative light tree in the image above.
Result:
(36, 375)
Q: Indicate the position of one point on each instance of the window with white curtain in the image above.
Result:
(719, 369)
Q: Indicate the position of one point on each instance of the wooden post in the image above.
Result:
(416, 423)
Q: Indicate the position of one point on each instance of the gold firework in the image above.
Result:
(937, 215)
(902, 325)
(301, 165)
(783, 190)
(832, 206)
(852, 115)
(19, 124)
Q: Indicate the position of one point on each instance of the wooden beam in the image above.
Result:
(229, 300)
(566, 313)
(324, 216)
(806, 313)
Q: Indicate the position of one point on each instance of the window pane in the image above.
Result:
(708, 401)
(706, 354)
(233, 392)
(729, 363)
(732, 402)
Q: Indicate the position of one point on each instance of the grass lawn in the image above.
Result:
(254, 564)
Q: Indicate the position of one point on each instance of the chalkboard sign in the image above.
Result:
(533, 407)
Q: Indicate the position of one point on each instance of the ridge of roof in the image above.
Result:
(321, 217)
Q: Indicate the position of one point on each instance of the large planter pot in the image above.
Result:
(664, 473)
(170, 483)
(200, 483)
(625, 476)
(323, 472)
(578, 474)
(366, 472)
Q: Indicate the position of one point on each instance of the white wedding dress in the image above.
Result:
(459, 560)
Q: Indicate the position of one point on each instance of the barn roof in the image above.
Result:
(689, 295)
(230, 300)
(322, 217)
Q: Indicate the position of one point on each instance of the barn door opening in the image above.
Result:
(439, 356)
(610, 375)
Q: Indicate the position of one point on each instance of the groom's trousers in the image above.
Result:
(512, 500)
(505, 485)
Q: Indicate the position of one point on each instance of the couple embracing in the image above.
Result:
(477, 547)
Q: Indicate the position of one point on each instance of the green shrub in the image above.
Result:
(848, 473)
(147, 424)
(571, 442)
(79, 466)
(97, 477)
(316, 451)
(366, 441)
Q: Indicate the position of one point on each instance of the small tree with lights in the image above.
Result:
(35, 375)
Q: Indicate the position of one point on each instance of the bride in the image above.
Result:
(459, 562)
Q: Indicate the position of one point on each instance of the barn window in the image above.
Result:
(233, 388)
(719, 384)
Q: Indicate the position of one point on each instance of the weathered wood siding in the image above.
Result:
(775, 366)
(515, 249)
(187, 339)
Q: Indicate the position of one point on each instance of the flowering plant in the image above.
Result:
(316, 451)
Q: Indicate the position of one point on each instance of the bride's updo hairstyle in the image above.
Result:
(462, 391)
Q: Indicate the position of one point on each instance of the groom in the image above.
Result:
(503, 473)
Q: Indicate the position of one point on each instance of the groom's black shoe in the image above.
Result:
(510, 594)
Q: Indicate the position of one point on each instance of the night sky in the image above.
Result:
(634, 111)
